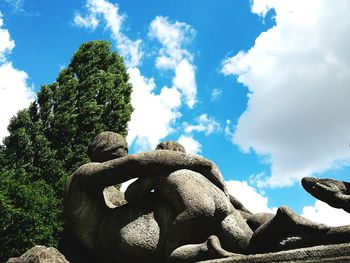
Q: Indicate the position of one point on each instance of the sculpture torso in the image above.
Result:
(136, 232)
(84, 208)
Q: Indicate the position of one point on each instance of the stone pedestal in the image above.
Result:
(328, 253)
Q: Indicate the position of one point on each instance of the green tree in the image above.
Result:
(49, 139)
(28, 212)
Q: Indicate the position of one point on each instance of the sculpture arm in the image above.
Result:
(153, 163)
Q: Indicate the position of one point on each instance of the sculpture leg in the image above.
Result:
(204, 210)
(210, 249)
(287, 230)
(234, 233)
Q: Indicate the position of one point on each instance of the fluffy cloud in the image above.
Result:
(173, 56)
(204, 123)
(191, 145)
(97, 9)
(153, 114)
(249, 197)
(297, 73)
(6, 43)
(15, 93)
(322, 213)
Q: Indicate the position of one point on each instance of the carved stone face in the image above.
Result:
(107, 146)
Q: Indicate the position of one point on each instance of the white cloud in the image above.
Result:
(185, 81)
(322, 213)
(172, 36)
(153, 114)
(298, 75)
(173, 56)
(204, 124)
(90, 21)
(97, 9)
(215, 94)
(6, 43)
(229, 131)
(191, 145)
(249, 197)
(261, 7)
(15, 93)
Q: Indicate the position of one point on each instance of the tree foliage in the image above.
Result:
(28, 212)
(48, 140)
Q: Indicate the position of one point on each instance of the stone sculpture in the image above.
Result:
(288, 230)
(116, 233)
(334, 192)
(202, 209)
(178, 210)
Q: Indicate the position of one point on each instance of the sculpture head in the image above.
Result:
(171, 146)
(318, 187)
(107, 146)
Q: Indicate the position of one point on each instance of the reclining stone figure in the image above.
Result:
(283, 231)
(135, 231)
(178, 210)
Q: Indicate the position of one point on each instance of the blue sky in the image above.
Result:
(259, 87)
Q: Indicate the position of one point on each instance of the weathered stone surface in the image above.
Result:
(178, 210)
(171, 146)
(40, 254)
(334, 192)
(256, 220)
(339, 253)
(202, 209)
(107, 146)
(192, 253)
(113, 197)
(287, 230)
(136, 231)
(240, 207)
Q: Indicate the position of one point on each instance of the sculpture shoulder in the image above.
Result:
(81, 175)
(86, 169)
